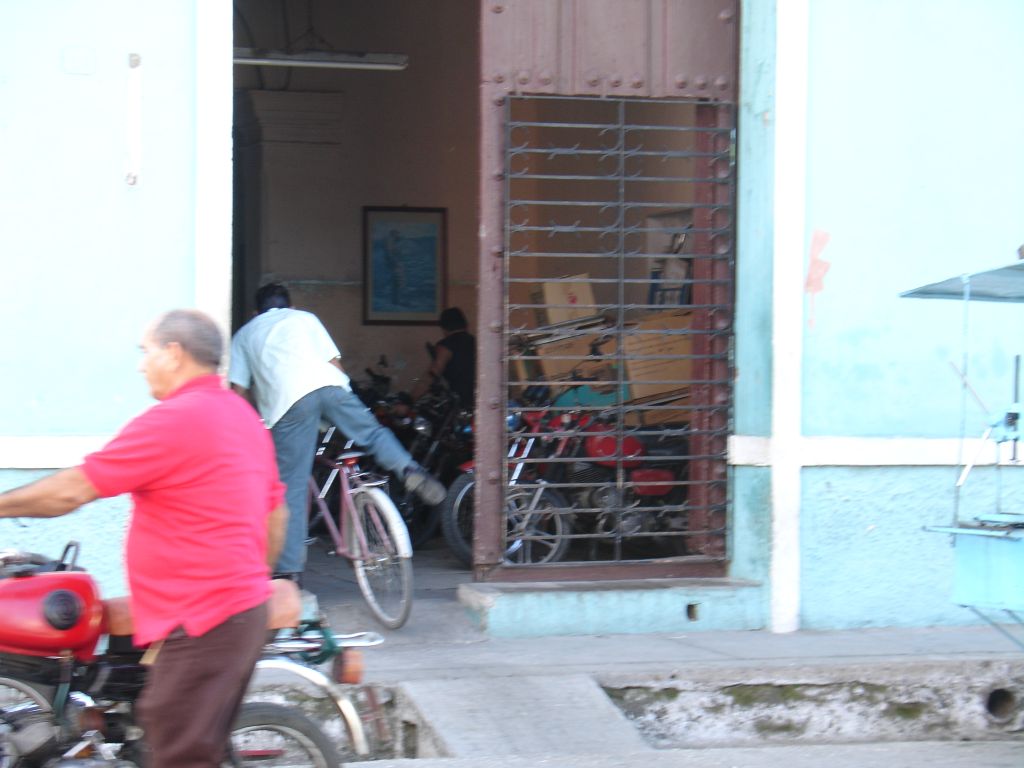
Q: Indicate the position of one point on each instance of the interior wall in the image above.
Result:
(355, 139)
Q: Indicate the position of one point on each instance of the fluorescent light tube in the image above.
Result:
(322, 59)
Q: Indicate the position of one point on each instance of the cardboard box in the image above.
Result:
(658, 334)
(673, 409)
(570, 358)
(564, 359)
(573, 292)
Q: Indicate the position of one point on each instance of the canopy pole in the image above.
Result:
(966, 284)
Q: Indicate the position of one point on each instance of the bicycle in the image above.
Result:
(369, 531)
(536, 531)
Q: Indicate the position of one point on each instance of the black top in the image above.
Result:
(460, 373)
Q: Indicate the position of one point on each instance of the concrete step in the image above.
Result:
(948, 754)
(528, 609)
(475, 718)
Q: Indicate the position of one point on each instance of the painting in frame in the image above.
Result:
(404, 265)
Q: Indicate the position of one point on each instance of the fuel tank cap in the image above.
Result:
(62, 609)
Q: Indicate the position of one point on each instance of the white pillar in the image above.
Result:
(214, 72)
(788, 302)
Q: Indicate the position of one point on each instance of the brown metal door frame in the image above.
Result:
(701, 63)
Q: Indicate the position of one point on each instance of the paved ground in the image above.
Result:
(516, 702)
(894, 755)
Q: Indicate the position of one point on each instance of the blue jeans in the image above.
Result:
(295, 440)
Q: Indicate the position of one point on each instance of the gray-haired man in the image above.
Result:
(207, 520)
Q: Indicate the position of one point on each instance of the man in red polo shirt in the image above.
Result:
(207, 521)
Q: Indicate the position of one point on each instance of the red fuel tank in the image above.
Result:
(47, 613)
(652, 482)
(603, 449)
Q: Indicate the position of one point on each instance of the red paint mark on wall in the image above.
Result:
(816, 270)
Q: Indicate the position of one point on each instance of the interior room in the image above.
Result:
(382, 114)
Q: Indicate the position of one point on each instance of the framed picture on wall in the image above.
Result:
(670, 263)
(404, 265)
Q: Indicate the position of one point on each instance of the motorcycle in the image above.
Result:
(375, 391)
(651, 501)
(438, 433)
(564, 469)
(436, 430)
(536, 532)
(70, 676)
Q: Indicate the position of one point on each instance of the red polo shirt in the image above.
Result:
(201, 470)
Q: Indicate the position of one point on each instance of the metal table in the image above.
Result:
(989, 548)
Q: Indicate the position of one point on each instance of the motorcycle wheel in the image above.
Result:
(14, 692)
(540, 535)
(273, 735)
(457, 518)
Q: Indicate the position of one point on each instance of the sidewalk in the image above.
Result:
(439, 640)
(476, 698)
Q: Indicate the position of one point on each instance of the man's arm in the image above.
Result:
(275, 532)
(53, 496)
(245, 392)
(442, 357)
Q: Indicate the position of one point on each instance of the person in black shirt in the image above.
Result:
(454, 359)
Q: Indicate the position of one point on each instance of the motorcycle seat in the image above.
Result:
(117, 616)
(284, 610)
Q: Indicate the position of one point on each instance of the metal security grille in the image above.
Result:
(618, 320)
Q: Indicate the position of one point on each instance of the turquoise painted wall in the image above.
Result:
(754, 225)
(750, 520)
(914, 167)
(89, 260)
(866, 560)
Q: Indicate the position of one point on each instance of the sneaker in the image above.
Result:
(424, 485)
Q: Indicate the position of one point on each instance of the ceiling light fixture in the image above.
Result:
(392, 62)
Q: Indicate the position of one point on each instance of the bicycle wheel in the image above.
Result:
(536, 533)
(421, 520)
(457, 518)
(384, 570)
(273, 735)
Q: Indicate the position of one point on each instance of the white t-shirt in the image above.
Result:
(287, 353)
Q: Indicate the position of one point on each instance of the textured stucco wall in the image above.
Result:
(89, 259)
(914, 165)
(754, 226)
(750, 521)
(914, 162)
(866, 560)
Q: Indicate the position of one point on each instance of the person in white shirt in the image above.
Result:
(287, 357)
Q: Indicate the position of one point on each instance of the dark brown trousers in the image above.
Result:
(194, 689)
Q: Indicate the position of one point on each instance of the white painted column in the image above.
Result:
(787, 314)
(214, 115)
